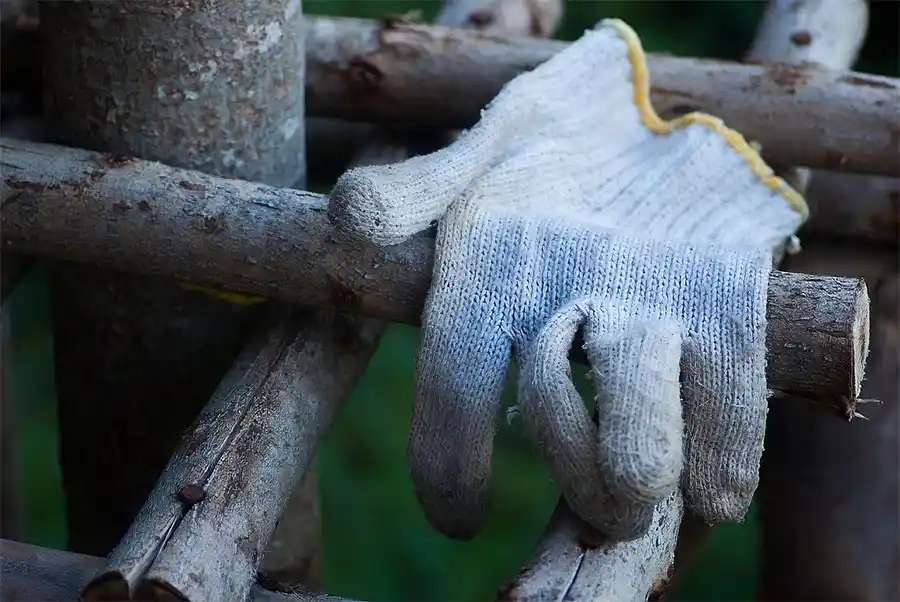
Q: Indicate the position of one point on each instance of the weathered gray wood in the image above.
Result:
(301, 389)
(212, 86)
(362, 70)
(146, 217)
(35, 573)
(203, 530)
(572, 562)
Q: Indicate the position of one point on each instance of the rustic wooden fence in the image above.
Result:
(239, 225)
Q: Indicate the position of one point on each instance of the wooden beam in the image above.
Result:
(146, 217)
(365, 70)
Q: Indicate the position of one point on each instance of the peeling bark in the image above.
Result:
(202, 532)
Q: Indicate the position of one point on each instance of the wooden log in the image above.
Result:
(203, 530)
(573, 562)
(408, 73)
(147, 217)
(138, 357)
(35, 573)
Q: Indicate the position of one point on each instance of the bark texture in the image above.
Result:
(203, 531)
(573, 562)
(211, 86)
(409, 73)
(146, 217)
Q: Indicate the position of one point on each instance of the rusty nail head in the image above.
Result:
(191, 494)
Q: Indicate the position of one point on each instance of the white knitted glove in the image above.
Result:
(568, 203)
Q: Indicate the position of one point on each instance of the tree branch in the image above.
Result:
(146, 217)
(409, 73)
(202, 532)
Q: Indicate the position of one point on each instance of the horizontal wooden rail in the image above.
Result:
(36, 573)
(146, 217)
(394, 71)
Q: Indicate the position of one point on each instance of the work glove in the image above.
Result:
(572, 206)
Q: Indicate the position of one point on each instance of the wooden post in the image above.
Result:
(830, 494)
(215, 88)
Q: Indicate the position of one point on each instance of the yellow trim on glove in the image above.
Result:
(235, 298)
(641, 81)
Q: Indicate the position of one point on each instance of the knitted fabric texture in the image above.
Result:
(571, 206)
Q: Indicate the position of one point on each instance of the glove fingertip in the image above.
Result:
(455, 507)
(722, 505)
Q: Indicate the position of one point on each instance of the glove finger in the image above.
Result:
(725, 403)
(460, 377)
(557, 421)
(640, 425)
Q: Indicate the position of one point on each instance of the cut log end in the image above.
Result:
(859, 337)
(817, 338)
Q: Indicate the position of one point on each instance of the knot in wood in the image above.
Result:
(363, 75)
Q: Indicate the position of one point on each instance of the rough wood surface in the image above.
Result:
(361, 70)
(216, 88)
(202, 532)
(573, 562)
(146, 217)
(35, 573)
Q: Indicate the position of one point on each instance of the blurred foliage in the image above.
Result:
(378, 545)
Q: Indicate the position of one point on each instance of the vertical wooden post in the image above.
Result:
(216, 87)
(829, 494)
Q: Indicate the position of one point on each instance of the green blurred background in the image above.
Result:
(378, 545)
